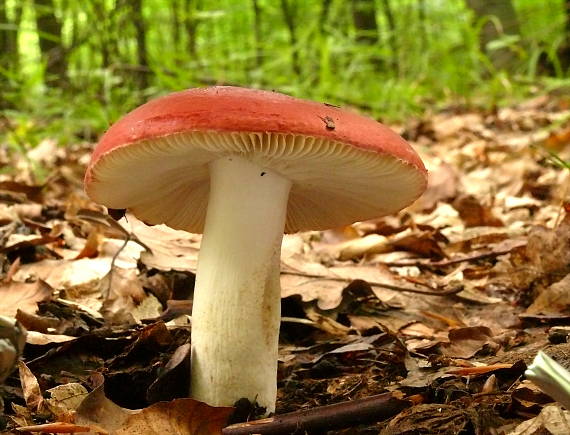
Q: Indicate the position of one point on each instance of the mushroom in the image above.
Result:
(242, 167)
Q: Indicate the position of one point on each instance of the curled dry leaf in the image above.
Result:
(552, 420)
(24, 296)
(41, 339)
(466, 342)
(545, 259)
(446, 418)
(326, 285)
(168, 249)
(553, 299)
(31, 388)
(125, 298)
(91, 247)
(370, 244)
(443, 182)
(475, 214)
(177, 417)
(66, 398)
(85, 272)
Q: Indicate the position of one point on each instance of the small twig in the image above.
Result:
(329, 417)
(298, 320)
(435, 292)
(112, 266)
(452, 291)
(453, 261)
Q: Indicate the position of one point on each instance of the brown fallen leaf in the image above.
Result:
(91, 247)
(447, 125)
(314, 281)
(552, 420)
(36, 322)
(65, 399)
(545, 259)
(529, 398)
(24, 296)
(19, 241)
(177, 417)
(168, 385)
(442, 185)
(553, 299)
(168, 249)
(103, 220)
(41, 339)
(326, 323)
(30, 388)
(72, 273)
(417, 329)
(558, 139)
(424, 243)
(446, 418)
(12, 270)
(370, 244)
(125, 299)
(475, 214)
(33, 193)
(466, 342)
(453, 323)
(364, 324)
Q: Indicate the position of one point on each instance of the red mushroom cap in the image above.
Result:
(154, 161)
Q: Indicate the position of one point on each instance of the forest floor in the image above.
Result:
(487, 245)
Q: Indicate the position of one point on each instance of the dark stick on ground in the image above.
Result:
(329, 417)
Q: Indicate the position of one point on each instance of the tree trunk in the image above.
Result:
(176, 24)
(564, 51)
(364, 17)
(392, 40)
(140, 31)
(6, 47)
(9, 55)
(288, 11)
(504, 12)
(324, 14)
(191, 25)
(51, 43)
(257, 33)
(424, 41)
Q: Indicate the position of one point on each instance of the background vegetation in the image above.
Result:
(69, 68)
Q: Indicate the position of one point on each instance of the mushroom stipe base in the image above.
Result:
(236, 308)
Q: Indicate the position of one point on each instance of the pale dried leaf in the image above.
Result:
(169, 249)
(124, 294)
(553, 299)
(370, 244)
(65, 398)
(24, 296)
(466, 342)
(443, 182)
(178, 417)
(41, 339)
(552, 419)
(31, 388)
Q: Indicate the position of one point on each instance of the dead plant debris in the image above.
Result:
(484, 255)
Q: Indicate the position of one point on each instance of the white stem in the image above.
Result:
(237, 297)
(550, 377)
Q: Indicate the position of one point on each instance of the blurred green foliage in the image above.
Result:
(422, 55)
